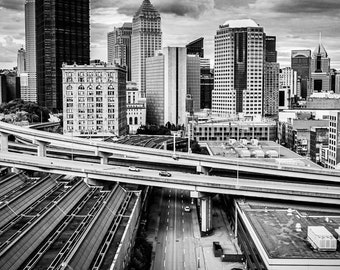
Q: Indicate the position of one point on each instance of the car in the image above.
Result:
(187, 209)
(175, 157)
(134, 169)
(164, 173)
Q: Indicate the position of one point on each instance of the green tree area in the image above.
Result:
(141, 255)
(18, 110)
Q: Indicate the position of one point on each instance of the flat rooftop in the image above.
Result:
(286, 156)
(275, 228)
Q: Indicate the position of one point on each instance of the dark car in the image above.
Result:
(164, 173)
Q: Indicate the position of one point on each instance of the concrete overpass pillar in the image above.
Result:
(41, 148)
(204, 201)
(92, 182)
(104, 157)
(202, 169)
(4, 141)
(206, 215)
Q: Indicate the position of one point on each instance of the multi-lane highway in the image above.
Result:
(325, 192)
(175, 242)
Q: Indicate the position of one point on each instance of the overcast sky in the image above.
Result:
(295, 23)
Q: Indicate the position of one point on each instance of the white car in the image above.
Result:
(134, 169)
(187, 209)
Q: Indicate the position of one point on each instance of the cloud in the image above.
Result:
(325, 7)
(17, 5)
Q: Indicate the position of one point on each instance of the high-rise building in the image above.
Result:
(320, 70)
(119, 47)
(30, 38)
(21, 62)
(289, 87)
(194, 82)
(300, 62)
(62, 36)
(334, 138)
(166, 87)
(271, 53)
(239, 68)
(271, 89)
(145, 40)
(196, 47)
(271, 79)
(94, 100)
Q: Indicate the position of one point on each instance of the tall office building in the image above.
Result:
(30, 38)
(320, 70)
(196, 47)
(271, 53)
(271, 90)
(145, 40)
(194, 82)
(271, 79)
(119, 47)
(239, 67)
(62, 36)
(300, 62)
(21, 61)
(166, 87)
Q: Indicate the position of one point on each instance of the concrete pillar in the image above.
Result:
(202, 169)
(104, 157)
(206, 215)
(4, 141)
(41, 148)
(92, 182)
(15, 170)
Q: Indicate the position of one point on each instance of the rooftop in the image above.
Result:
(241, 23)
(275, 228)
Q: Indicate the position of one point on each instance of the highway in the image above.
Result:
(175, 242)
(141, 154)
(321, 193)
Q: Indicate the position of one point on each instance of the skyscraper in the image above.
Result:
(239, 67)
(145, 40)
(21, 61)
(271, 79)
(320, 70)
(300, 62)
(30, 38)
(196, 47)
(119, 47)
(166, 86)
(62, 36)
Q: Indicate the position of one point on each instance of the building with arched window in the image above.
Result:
(135, 108)
(94, 100)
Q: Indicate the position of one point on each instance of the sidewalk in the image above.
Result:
(222, 234)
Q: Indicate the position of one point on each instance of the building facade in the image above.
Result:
(223, 131)
(320, 70)
(135, 108)
(334, 140)
(94, 99)
(30, 40)
(196, 47)
(239, 68)
(301, 63)
(166, 86)
(21, 61)
(62, 36)
(146, 38)
(194, 82)
(119, 47)
(271, 90)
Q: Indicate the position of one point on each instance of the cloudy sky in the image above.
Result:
(296, 23)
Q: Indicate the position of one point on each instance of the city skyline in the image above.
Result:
(296, 25)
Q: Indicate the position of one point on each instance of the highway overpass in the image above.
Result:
(203, 164)
(328, 193)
